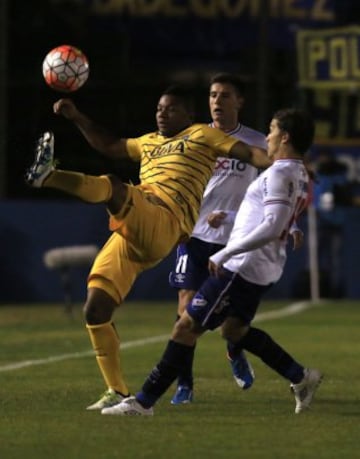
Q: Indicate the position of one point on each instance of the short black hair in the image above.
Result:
(300, 126)
(183, 93)
(230, 78)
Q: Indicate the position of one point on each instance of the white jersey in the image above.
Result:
(226, 188)
(257, 245)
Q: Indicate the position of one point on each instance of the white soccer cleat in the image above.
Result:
(304, 391)
(128, 407)
(44, 162)
(108, 398)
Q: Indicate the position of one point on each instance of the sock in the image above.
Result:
(262, 345)
(105, 342)
(234, 349)
(86, 187)
(186, 377)
(175, 358)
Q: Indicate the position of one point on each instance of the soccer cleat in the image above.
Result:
(107, 399)
(304, 391)
(44, 162)
(182, 395)
(242, 370)
(128, 407)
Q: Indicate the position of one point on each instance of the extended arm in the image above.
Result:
(255, 156)
(270, 228)
(97, 136)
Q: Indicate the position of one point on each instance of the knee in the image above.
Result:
(234, 330)
(182, 327)
(99, 308)
(185, 330)
(95, 314)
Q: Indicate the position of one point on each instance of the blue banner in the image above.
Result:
(202, 25)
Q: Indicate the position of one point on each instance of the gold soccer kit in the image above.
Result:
(163, 209)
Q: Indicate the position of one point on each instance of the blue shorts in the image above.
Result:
(191, 266)
(227, 296)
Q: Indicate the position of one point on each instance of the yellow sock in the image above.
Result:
(86, 187)
(105, 342)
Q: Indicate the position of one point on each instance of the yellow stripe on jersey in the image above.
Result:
(178, 168)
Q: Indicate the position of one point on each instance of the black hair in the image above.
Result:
(299, 125)
(183, 93)
(230, 78)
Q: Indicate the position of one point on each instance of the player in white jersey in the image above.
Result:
(240, 273)
(225, 190)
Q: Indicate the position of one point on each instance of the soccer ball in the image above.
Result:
(65, 68)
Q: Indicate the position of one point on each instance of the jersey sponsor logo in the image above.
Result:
(229, 164)
(170, 148)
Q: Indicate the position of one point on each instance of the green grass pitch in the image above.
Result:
(48, 376)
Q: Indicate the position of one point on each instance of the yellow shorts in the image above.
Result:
(143, 234)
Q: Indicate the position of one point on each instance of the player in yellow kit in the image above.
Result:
(147, 220)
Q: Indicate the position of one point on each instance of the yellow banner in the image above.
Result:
(329, 58)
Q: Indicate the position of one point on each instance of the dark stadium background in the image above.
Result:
(132, 58)
(135, 50)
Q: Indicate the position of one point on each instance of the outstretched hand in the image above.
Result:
(66, 108)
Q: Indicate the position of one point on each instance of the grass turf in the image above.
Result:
(42, 402)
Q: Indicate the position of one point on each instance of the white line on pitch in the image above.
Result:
(290, 310)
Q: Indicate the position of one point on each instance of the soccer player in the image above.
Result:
(252, 260)
(147, 221)
(224, 191)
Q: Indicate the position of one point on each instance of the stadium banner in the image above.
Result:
(337, 115)
(329, 58)
(310, 10)
(198, 25)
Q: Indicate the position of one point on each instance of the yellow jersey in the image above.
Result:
(177, 169)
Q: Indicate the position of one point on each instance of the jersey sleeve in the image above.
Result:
(274, 221)
(277, 187)
(219, 141)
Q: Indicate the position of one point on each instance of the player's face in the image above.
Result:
(274, 139)
(225, 104)
(172, 116)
